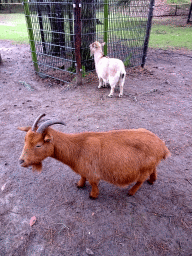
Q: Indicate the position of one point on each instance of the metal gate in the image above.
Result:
(60, 33)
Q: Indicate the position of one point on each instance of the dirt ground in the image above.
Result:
(157, 220)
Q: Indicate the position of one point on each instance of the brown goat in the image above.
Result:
(118, 157)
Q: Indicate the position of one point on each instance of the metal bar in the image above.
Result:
(41, 28)
(190, 9)
(146, 42)
(77, 30)
(106, 13)
(31, 36)
(61, 29)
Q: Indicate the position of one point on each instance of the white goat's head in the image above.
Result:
(96, 47)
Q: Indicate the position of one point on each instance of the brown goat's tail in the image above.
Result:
(167, 153)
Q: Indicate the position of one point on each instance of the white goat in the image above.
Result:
(109, 70)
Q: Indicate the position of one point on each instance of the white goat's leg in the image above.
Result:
(121, 84)
(112, 91)
(100, 82)
(113, 80)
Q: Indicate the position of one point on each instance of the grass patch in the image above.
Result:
(13, 27)
(168, 36)
(178, 2)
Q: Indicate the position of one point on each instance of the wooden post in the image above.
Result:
(150, 15)
(77, 30)
(106, 13)
(31, 36)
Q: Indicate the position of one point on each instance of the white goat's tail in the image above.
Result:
(122, 75)
(121, 83)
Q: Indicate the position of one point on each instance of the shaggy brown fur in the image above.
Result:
(118, 157)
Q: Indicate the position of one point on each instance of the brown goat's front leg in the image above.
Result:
(152, 177)
(94, 191)
(81, 182)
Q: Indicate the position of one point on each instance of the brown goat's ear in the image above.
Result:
(47, 138)
(24, 129)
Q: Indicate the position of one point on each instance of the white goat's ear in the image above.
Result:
(24, 129)
(47, 138)
(102, 44)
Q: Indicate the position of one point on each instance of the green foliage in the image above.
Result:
(178, 1)
(127, 61)
(84, 73)
(167, 36)
(73, 70)
(13, 27)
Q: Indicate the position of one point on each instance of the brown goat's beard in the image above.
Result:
(37, 167)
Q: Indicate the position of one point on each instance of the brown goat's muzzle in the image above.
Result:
(22, 163)
(35, 167)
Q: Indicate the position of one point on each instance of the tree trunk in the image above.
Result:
(55, 14)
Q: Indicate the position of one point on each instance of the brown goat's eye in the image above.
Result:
(38, 146)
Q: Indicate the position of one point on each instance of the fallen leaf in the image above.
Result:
(3, 187)
(32, 221)
(89, 251)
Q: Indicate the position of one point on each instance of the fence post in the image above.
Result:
(190, 9)
(150, 15)
(31, 36)
(77, 31)
(41, 28)
(106, 13)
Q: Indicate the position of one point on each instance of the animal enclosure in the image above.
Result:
(60, 33)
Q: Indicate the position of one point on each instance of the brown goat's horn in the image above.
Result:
(46, 124)
(36, 122)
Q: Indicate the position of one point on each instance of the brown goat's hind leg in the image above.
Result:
(81, 182)
(152, 177)
(94, 191)
(138, 184)
(134, 189)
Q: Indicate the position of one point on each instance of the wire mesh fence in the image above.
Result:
(164, 9)
(57, 29)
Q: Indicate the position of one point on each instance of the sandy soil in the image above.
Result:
(156, 221)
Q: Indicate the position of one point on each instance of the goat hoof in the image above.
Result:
(120, 95)
(110, 96)
(78, 186)
(150, 182)
(130, 193)
(92, 198)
